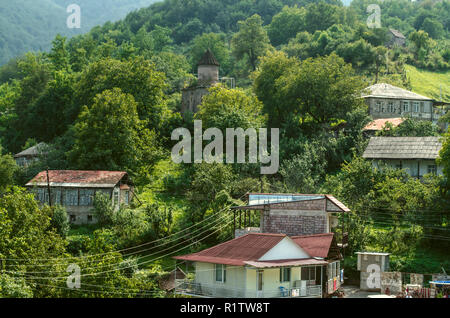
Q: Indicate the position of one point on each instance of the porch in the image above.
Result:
(191, 288)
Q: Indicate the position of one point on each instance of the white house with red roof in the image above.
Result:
(263, 265)
(76, 190)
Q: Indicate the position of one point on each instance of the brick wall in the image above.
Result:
(294, 224)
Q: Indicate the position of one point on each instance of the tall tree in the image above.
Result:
(251, 41)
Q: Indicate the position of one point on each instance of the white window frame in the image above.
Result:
(416, 107)
(283, 276)
(405, 106)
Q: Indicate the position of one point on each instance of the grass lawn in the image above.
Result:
(429, 83)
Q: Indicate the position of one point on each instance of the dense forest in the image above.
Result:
(30, 25)
(109, 99)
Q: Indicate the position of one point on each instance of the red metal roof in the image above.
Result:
(378, 124)
(78, 177)
(248, 249)
(317, 245)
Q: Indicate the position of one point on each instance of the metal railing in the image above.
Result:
(191, 288)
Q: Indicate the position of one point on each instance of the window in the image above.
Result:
(391, 107)
(116, 197)
(221, 273)
(127, 197)
(86, 197)
(432, 169)
(333, 269)
(383, 107)
(285, 274)
(71, 197)
(416, 107)
(422, 107)
(89, 218)
(406, 106)
(73, 218)
(309, 273)
(378, 107)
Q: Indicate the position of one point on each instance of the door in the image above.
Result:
(260, 283)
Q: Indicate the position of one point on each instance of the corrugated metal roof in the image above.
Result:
(378, 124)
(403, 148)
(208, 59)
(33, 151)
(78, 178)
(384, 90)
(317, 245)
(248, 249)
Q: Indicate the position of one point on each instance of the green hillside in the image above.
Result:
(429, 83)
(30, 25)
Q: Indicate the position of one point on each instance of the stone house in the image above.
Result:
(387, 101)
(207, 76)
(290, 214)
(30, 155)
(395, 38)
(416, 155)
(262, 265)
(75, 190)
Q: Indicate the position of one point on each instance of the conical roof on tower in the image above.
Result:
(208, 59)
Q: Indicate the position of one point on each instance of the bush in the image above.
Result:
(60, 221)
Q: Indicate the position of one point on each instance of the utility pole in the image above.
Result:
(48, 188)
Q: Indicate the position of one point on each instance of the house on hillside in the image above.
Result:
(416, 155)
(378, 124)
(30, 155)
(387, 101)
(76, 190)
(261, 265)
(395, 38)
(291, 214)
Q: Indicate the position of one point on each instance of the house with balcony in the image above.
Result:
(75, 190)
(416, 155)
(265, 265)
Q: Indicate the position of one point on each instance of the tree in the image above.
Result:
(60, 221)
(251, 41)
(444, 157)
(286, 24)
(322, 90)
(8, 167)
(59, 55)
(272, 67)
(110, 136)
(230, 108)
(434, 28)
(135, 76)
(320, 16)
(410, 128)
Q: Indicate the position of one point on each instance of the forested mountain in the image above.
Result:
(110, 99)
(30, 25)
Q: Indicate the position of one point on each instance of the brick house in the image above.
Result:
(76, 190)
(290, 214)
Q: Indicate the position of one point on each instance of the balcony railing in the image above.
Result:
(191, 288)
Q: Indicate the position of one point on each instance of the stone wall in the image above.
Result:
(393, 281)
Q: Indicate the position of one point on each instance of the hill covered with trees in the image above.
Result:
(110, 99)
(30, 25)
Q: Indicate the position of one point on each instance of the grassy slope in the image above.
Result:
(429, 83)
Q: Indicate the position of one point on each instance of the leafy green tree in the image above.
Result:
(135, 76)
(60, 221)
(320, 16)
(230, 108)
(434, 28)
(110, 136)
(286, 24)
(251, 41)
(59, 55)
(14, 287)
(8, 167)
(444, 157)
(323, 90)
(410, 128)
